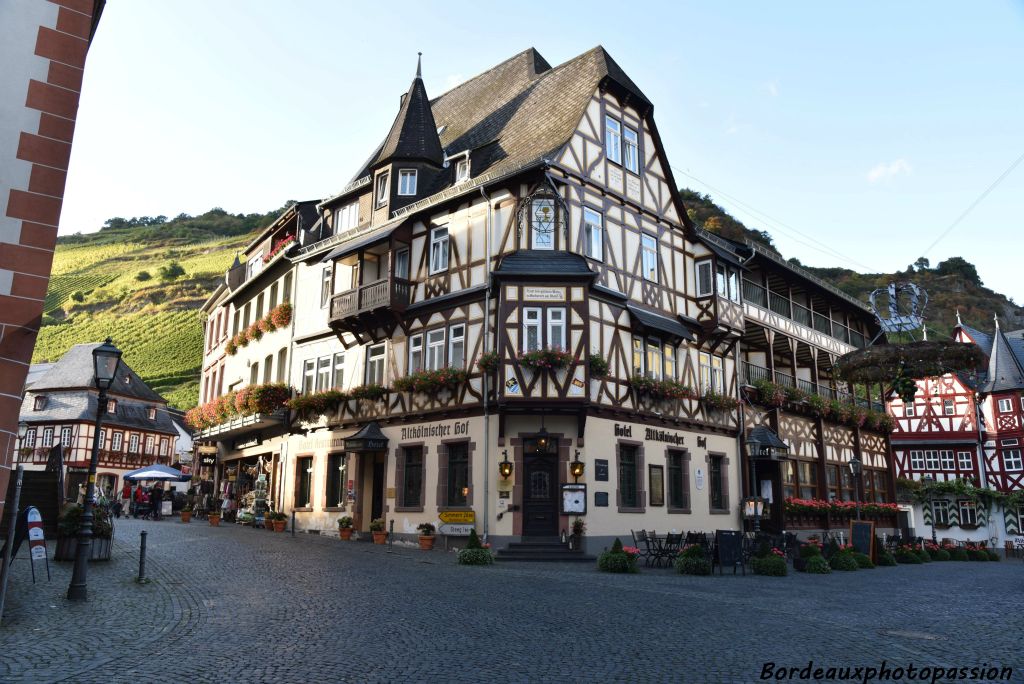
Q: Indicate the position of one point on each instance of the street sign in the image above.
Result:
(457, 517)
(36, 543)
(454, 530)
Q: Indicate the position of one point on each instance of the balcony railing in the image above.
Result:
(780, 304)
(388, 294)
(755, 294)
(753, 373)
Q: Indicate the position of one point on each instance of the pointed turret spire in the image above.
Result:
(413, 135)
(996, 318)
(1004, 370)
(959, 323)
(925, 332)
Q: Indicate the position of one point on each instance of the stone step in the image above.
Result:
(545, 557)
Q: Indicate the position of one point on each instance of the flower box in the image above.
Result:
(66, 547)
(546, 359)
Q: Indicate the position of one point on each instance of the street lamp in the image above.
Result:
(927, 480)
(22, 434)
(105, 358)
(855, 470)
(505, 467)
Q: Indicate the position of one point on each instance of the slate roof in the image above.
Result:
(75, 370)
(520, 112)
(767, 438)
(1005, 368)
(81, 405)
(542, 262)
(983, 340)
(413, 135)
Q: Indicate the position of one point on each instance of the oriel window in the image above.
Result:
(542, 223)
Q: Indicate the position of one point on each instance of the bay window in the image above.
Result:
(531, 329)
(704, 281)
(382, 189)
(556, 328)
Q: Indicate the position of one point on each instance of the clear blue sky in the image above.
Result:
(868, 127)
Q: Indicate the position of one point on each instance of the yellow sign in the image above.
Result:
(466, 517)
(390, 494)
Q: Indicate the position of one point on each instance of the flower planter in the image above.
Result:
(345, 533)
(186, 516)
(380, 537)
(426, 542)
(279, 525)
(66, 547)
(214, 520)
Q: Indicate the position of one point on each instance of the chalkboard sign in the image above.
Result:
(729, 550)
(601, 499)
(862, 536)
(601, 469)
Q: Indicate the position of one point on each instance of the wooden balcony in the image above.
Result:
(361, 306)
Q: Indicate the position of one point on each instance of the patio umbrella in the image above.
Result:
(156, 472)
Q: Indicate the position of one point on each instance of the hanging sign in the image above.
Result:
(36, 542)
(512, 385)
(454, 530)
(698, 478)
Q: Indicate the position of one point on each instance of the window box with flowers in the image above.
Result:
(430, 381)
(278, 248)
(598, 366)
(770, 394)
(279, 317)
(660, 389)
(371, 392)
(713, 401)
(488, 362)
(248, 401)
(546, 359)
(308, 406)
(253, 333)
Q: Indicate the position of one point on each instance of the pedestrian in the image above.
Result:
(156, 499)
(126, 497)
(140, 500)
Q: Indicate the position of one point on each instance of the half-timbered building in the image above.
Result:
(970, 427)
(59, 409)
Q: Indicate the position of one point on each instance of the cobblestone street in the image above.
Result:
(231, 604)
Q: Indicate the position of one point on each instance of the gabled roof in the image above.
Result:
(75, 370)
(983, 340)
(80, 405)
(413, 135)
(542, 262)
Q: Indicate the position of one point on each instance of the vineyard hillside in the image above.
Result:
(141, 282)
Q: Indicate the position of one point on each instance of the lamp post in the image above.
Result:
(754, 452)
(855, 470)
(105, 358)
(927, 479)
(22, 434)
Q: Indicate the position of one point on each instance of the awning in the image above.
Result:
(658, 323)
(369, 438)
(766, 437)
(361, 242)
(156, 472)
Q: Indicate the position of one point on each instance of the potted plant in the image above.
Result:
(280, 521)
(377, 527)
(214, 515)
(345, 527)
(186, 515)
(426, 535)
(578, 528)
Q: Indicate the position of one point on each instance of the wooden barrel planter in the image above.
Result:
(66, 547)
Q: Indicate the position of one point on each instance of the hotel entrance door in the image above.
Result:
(540, 487)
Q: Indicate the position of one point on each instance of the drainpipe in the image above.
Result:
(982, 475)
(486, 344)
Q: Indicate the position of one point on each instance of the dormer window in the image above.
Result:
(382, 189)
(111, 406)
(39, 403)
(151, 413)
(407, 182)
(462, 171)
(346, 217)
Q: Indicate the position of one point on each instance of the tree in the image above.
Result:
(960, 267)
(171, 271)
(922, 264)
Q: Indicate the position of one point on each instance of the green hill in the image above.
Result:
(954, 284)
(141, 282)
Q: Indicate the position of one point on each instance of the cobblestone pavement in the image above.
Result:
(240, 605)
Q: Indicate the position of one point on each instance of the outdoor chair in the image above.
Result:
(670, 547)
(643, 544)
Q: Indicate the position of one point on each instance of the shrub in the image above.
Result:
(886, 559)
(940, 555)
(70, 519)
(143, 276)
(817, 565)
(772, 565)
(770, 394)
(373, 392)
(958, 554)
(618, 559)
(907, 556)
(345, 521)
(810, 550)
(488, 362)
(430, 381)
(172, 271)
(714, 401)
(863, 560)
(474, 553)
(844, 561)
(993, 556)
(923, 555)
(977, 555)
(378, 525)
(78, 296)
(691, 561)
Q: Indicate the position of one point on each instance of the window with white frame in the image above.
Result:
(148, 444)
(909, 410)
(946, 456)
(721, 282)
(47, 437)
(734, 285)
(965, 460)
(308, 376)
(164, 446)
(654, 360)
(1005, 405)
(111, 406)
(556, 329)
(593, 234)
(669, 356)
(407, 182)
(649, 249)
(968, 512)
(346, 217)
(638, 356)
(712, 373)
(462, 171)
(705, 283)
(323, 373)
(947, 407)
(916, 460)
(1012, 459)
(940, 512)
(117, 441)
(542, 223)
(613, 140)
(438, 249)
(151, 413)
(631, 149)
(282, 364)
(382, 189)
(416, 353)
(435, 349)
(65, 437)
(375, 364)
(325, 286)
(30, 439)
(133, 443)
(931, 459)
(457, 346)
(532, 337)
(338, 379)
(254, 266)
(402, 264)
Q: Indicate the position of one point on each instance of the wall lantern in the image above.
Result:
(22, 431)
(576, 467)
(753, 508)
(505, 467)
(542, 439)
(465, 491)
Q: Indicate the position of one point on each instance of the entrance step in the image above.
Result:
(543, 549)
